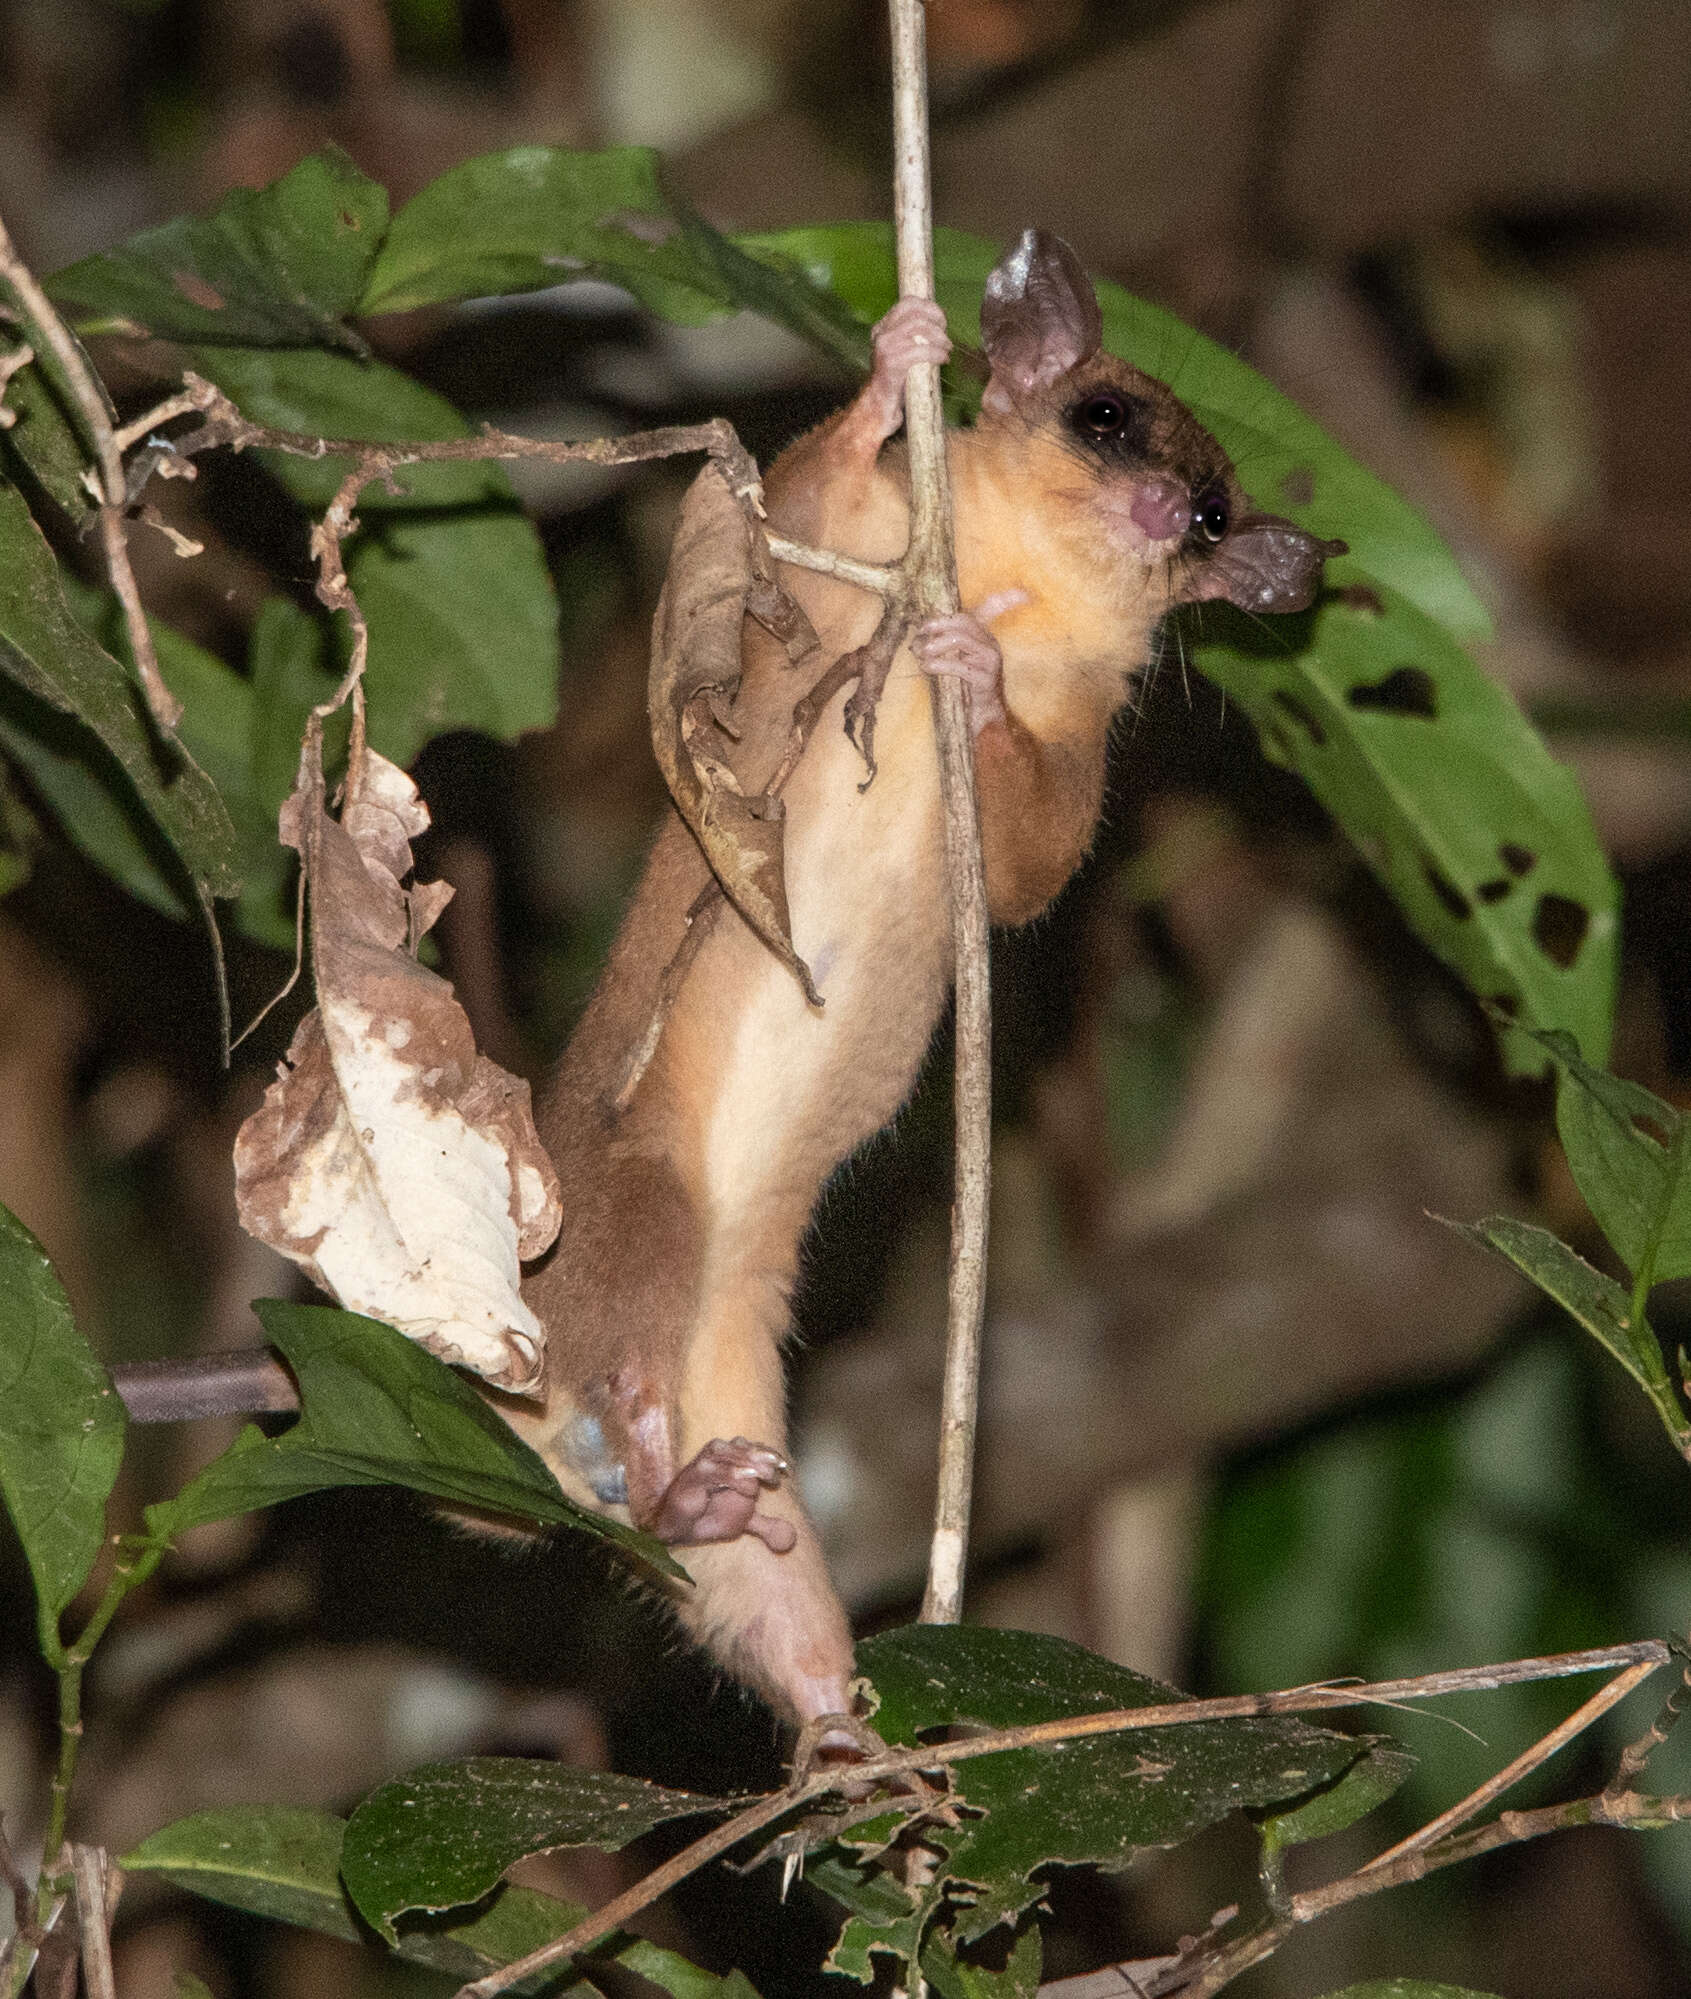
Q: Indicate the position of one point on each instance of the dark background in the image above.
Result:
(1251, 1418)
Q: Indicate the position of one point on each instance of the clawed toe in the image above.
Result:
(714, 1498)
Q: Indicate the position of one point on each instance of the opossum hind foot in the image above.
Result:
(714, 1498)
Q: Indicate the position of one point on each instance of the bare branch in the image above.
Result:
(223, 424)
(38, 308)
(765, 1811)
(183, 403)
(218, 1384)
(931, 565)
(1512, 1773)
(1643, 1656)
(701, 920)
(1653, 1652)
(884, 580)
(1636, 1754)
(95, 1881)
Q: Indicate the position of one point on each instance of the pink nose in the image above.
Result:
(1161, 509)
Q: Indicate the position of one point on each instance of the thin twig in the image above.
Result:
(1512, 1773)
(884, 579)
(12, 1879)
(1649, 1652)
(701, 921)
(166, 710)
(94, 1900)
(183, 403)
(1636, 1754)
(932, 565)
(36, 1937)
(645, 1891)
(1295, 1700)
(223, 424)
(1627, 1809)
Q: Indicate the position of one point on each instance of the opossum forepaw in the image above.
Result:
(913, 331)
(958, 643)
(715, 1497)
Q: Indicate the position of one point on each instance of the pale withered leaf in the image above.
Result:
(695, 671)
(393, 1163)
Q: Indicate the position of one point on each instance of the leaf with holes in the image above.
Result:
(280, 266)
(1483, 839)
(377, 1410)
(1098, 1799)
(284, 1863)
(1630, 1154)
(955, 1975)
(61, 1429)
(443, 1836)
(886, 1919)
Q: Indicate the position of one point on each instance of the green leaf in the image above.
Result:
(1630, 1154)
(47, 653)
(1369, 1781)
(1596, 1301)
(270, 1860)
(675, 1974)
(281, 1862)
(955, 1977)
(540, 215)
(1483, 838)
(1263, 431)
(443, 1835)
(1407, 1988)
(290, 675)
(377, 1410)
(1099, 1799)
(61, 1429)
(44, 444)
(219, 726)
(885, 1918)
(449, 572)
(186, 1986)
(71, 775)
(280, 266)
(780, 288)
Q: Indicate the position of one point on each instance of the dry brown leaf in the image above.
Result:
(695, 671)
(394, 1164)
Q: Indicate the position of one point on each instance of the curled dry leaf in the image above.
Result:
(711, 585)
(393, 1163)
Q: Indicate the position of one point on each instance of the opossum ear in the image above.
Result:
(1039, 317)
(1266, 564)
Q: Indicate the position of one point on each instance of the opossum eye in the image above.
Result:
(1103, 415)
(1210, 515)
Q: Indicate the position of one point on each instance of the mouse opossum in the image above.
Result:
(1088, 503)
